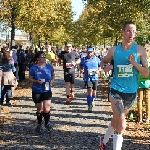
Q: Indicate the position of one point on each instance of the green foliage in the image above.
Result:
(44, 18)
(104, 18)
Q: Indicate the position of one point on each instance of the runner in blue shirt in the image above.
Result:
(42, 76)
(91, 66)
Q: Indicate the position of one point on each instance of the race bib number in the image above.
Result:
(125, 70)
(68, 65)
(91, 72)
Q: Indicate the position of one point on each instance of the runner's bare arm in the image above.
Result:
(32, 80)
(78, 61)
(108, 57)
(143, 69)
(53, 76)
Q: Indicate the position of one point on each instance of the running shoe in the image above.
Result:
(90, 109)
(68, 100)
(49, 127)
(72, 94)
(38, 128)
(102, 145)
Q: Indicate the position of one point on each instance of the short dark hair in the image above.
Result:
(36, 56)
(126, 23)
(68, 42)
(20, 46)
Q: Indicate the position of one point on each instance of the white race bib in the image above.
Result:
(83, 55)
(47, 86)
(125, 70)
(91, 72)
(68, 65)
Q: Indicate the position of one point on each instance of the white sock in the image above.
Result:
(109, 132)
(117, 141)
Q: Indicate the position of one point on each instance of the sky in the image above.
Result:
(77, 7)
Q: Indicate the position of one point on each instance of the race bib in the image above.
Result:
(125, 70)
(68, 65)
(91, 72)
(47, 86)
(83, 55)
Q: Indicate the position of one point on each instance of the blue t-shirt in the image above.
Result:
(90, 65)
(8, 67)
(39, 73)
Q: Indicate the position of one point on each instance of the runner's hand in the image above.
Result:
(51, 82)
(97, 71)
(107, 68)
(82, 70)
(40, 81)
(131, 58)
(73, 63)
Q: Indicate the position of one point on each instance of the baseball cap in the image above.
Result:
(89, 49)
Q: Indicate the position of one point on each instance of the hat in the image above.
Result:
(89, 49)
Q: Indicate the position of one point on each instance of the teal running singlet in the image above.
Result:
(125, 76)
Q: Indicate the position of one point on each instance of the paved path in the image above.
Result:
(73, 127)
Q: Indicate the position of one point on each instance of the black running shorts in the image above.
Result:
(39, 97)
(69, 76)
(127, 98)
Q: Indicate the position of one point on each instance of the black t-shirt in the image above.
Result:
(68, 57)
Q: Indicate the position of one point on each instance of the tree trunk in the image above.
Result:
(30, 38)
(104, 43)
(116, 42)
(12, 27)
(12, 35)
(39, 44)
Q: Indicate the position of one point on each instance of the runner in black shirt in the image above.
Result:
(70, 59)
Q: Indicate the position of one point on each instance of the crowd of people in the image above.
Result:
(127, 64)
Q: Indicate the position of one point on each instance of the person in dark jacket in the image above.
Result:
(21, 63)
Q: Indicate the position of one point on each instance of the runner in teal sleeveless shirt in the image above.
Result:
(125, 77)
(129, 60)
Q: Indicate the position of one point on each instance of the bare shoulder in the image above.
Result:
(111, 50)
(142, 54)
(141, 50)
(109, 55)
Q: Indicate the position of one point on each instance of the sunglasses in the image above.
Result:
(131, 31)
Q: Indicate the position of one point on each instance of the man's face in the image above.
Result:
(68, 47)
(48, 48)
(129, 32)
(90, 53)
(84, 49)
